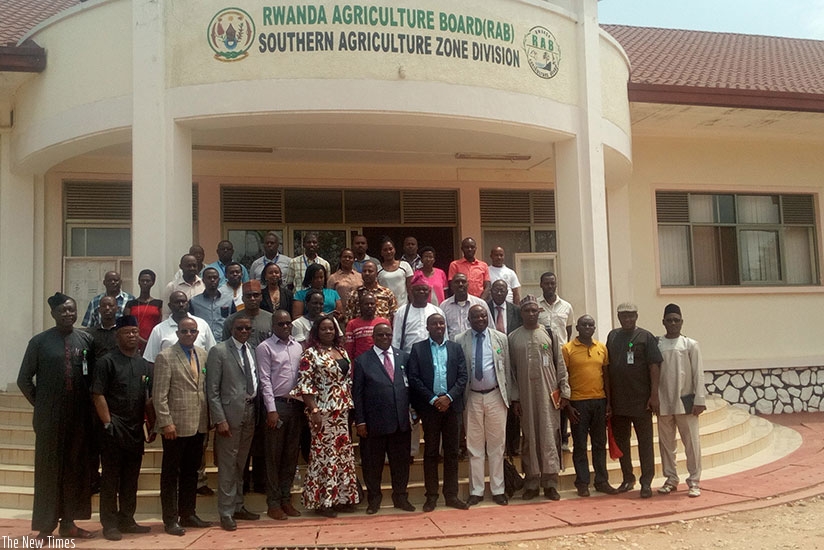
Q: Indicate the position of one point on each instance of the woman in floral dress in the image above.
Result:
(325, 384)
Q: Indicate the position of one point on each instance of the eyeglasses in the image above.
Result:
(188, 331)
(284, 324)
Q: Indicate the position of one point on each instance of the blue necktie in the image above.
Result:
(479, 356)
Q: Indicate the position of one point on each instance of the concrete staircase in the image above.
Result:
(732, 440)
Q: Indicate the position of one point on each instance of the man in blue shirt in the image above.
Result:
(211, 305)
(437, 379)
(225, 253)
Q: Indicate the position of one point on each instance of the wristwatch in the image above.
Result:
(315, 410)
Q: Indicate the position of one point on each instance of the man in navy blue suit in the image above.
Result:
(437, 379)
(381, 394)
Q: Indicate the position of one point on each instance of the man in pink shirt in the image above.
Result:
(476, 271)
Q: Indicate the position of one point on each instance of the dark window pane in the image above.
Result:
(314, 206)
(373, 206)
(546, 241)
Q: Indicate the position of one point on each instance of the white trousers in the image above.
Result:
(485, 435)
(687, 425)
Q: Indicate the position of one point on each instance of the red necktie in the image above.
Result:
(499, 319)
(387, 364)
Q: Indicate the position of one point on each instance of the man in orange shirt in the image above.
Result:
(476, 271)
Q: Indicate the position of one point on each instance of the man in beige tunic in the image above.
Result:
(539, 370)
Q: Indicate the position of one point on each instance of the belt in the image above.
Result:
(288, 400)
(484, 391)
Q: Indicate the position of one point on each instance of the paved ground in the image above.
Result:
(797, 476)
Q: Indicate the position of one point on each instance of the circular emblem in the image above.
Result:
(542, 52)
(230, 34)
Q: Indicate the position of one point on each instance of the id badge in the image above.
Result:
(545, 360)
(85, 363)
(630, 357)
(405, 381)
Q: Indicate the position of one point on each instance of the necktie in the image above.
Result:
(387, 364)
(499, 319)
(193, 364)
(479, 356)
(247, 370)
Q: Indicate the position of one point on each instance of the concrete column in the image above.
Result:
(161, 155)
(583, 243)
(469, 201)
(18, 277)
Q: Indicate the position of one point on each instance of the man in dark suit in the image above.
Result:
(381, 394)
(510, 319)
(437, 379)
(179, 393)
(231, 387)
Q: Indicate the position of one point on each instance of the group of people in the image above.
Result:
(381, 348)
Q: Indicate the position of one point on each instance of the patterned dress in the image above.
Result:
(331, 477)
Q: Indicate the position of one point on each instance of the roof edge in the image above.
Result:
(26, 58)
(725, 97)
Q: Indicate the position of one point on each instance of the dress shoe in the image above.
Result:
(205, 491)
(245, 514)
(194, 521)
(583, 491)
(552, 493)
(289, 509)
(326, 512)
(606, 488)
(646, 491)
(344, 508)
(174, 529)
(276, 512)
(529, 494)
(112, 533)
(72, 531)
(227, 523)
(430, 504)
(500, 499)
(474, 500)
(404, 505)
(372, 509)
(134, 528)
(457, 503)
(626, 486)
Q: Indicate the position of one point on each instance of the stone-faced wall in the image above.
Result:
(770, 391)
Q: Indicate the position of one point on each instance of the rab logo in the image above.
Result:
(230, 34)
(542, 52)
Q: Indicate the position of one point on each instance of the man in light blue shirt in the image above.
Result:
(225, 253)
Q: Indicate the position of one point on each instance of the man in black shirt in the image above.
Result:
(119, 394)
(632, 392)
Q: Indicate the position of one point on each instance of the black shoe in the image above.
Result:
(404, 505)
(372, 509)
(174, 529)
(606, 488)
(344, 508)
(326, 512)
(112, 533)
(529, 494)
(552, 493)
(626, 486)
(245, 514)
(430, 504)
(134, 528)
(227, 523)
(583, 491)
(500, 499)
(457, 503)
(474, 500)
(646, 491)
(205, 491)
(194, 521)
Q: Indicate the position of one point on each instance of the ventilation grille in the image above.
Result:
(517, 207)
(798, 209)
(672, 207)
(429, 207)
(258, 205)
(100, 200)
(543, 206)
(195, 202)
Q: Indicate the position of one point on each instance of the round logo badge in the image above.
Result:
(542, 52)
(230, 34)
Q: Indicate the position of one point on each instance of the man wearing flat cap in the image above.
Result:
(632, 386)
(119, 395)
(54, 379)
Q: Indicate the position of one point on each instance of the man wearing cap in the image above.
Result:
(409, 324)
(54, 379)
(682, 399)
(119, 392)
(540, 372)
(632, 392)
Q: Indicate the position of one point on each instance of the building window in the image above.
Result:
(518, 221)
(728, 239)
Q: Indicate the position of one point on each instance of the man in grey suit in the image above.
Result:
(506, 317)
(231, 387)
(381, 394)
(179, 395)
(489, 391)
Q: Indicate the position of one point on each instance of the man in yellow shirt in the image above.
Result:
(586, 359)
